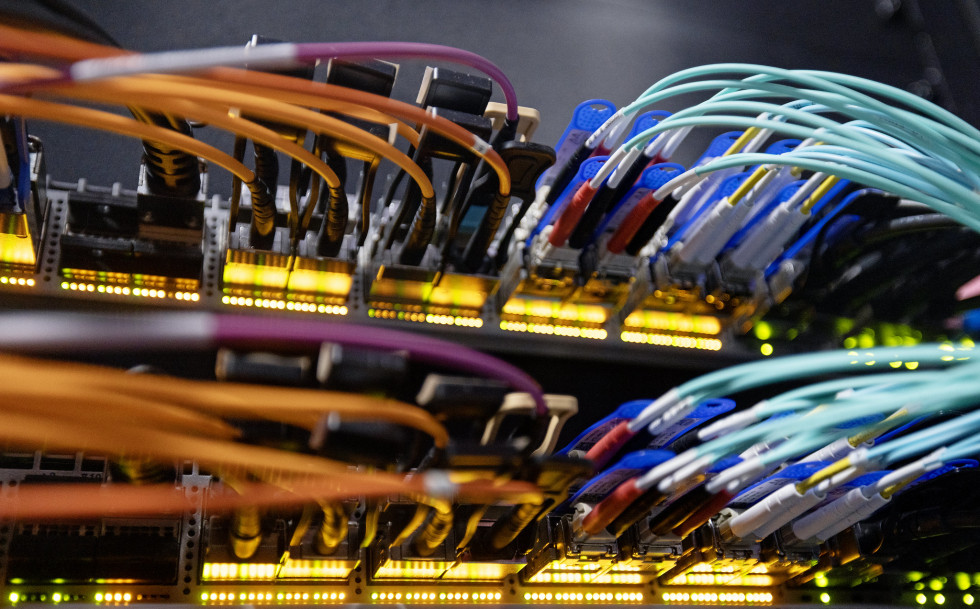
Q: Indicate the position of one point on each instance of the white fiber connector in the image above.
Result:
(736, 476)
(662, 404)
(766, 240)
(702, 234)
(811, 524)
(670, 147)
(694, 468)
(760, 448)
(872, 505)
(733, 422)
(666, 468)
(673, 414)
(617, 175)
(782, 505)
(836, 450)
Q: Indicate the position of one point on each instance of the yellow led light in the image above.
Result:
(939, 599)
(319, 282)
(968, 599)
(668, 340)
(16, 246)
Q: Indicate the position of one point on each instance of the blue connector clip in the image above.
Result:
(586, 171)
(586, 118)
(591, 436)
(629, 466)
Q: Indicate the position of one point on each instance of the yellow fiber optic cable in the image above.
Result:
(107, 121)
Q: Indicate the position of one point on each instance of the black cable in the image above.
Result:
(238, 152)
(169, 171)
(334, 222)
(368, 174)
(650, 499)
(881, 274)
(650, 225)
(263, 226)
(865, 237)
(421, 232)
(313, 202)
(386, 203)
(603, 201)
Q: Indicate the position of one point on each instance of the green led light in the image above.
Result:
(14, 597)
(967, 599)
(919, 586)
(766, 349)
(56, 597)
(204, 596)
(920, 598)
(844, 325)
(824, 598)
(939, 598)
(850, 342)
(821, 581)
(962, 580)
(936, 584)
(98, 597)
(763, 331)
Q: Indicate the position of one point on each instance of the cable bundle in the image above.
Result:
(895, 415)
(255, 106)
(873, 181)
